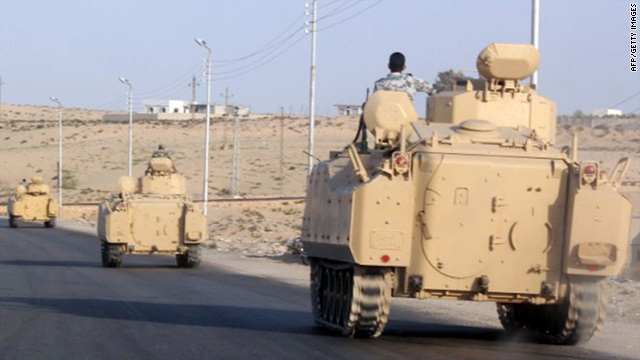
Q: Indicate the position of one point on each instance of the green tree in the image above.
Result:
(578, 114)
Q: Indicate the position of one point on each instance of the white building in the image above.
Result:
(159, 107)
(348, 110)
(166, 106)
(606, 112)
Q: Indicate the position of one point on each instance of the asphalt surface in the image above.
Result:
(57, 302)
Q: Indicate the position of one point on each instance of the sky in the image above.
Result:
(77, 50)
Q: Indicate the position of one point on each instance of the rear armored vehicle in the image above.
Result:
(476, 203)
(159, 218)
(32, 202)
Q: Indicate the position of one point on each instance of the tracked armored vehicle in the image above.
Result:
(32, 202)
(476, 203)
(160, 218)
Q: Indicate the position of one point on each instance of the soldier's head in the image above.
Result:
(160, 147)
(396, 62)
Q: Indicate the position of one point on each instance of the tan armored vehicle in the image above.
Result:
(158, 219)
(474, 204)
(32, 202)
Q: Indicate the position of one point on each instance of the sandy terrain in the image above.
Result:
(271, 157)
(95, 156)
(95, 153)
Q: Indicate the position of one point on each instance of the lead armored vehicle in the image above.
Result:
(159, 218)
(476, 203)
(32, 202)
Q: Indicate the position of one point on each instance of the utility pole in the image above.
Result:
(1, 83)
(226, 100)
(205, 181)
(55, 100)
(194, 99)
(312, 92)
(226, 112)
(535, 35)
(235, 171)
(282, 154)
(130, 104)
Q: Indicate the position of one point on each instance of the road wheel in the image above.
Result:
(351, 299)
(191, 258)
(13, 222)
(50, 224)
(111, 254)
(574, 320)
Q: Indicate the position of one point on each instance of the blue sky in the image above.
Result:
(78, 49)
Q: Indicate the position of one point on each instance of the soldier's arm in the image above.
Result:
(423, 86)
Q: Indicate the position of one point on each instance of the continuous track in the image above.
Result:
(575, 320)
(350, 299)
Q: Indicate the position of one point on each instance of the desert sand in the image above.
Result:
(271, 156)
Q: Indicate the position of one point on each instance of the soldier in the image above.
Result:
(160, 153)
(24, 182)
(396, 81)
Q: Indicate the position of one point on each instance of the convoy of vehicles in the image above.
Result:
(474, 203)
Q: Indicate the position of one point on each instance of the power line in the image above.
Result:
(234, 73)
(340, 9)
(269, 45)
(281, 44)
(180, 79)
(350, 17)
(329, 4)
(262, 64)
(261, 49)
(625, 100)
(108, 103)
(290, 46)
(167, 90)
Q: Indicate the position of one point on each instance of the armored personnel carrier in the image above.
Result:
(160, 218)
(476, 203)
(32, 202)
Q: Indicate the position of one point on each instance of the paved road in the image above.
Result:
(57, 302)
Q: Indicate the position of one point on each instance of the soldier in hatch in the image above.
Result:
(161, 152)
(396, 81)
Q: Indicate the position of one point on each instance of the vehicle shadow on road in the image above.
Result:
(450, 338)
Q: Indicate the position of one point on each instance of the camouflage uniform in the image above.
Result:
(396, 81)
(161, 154)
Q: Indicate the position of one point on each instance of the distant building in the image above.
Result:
(606, 112)
(166, 106)
(348, 110)
(187, 107)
